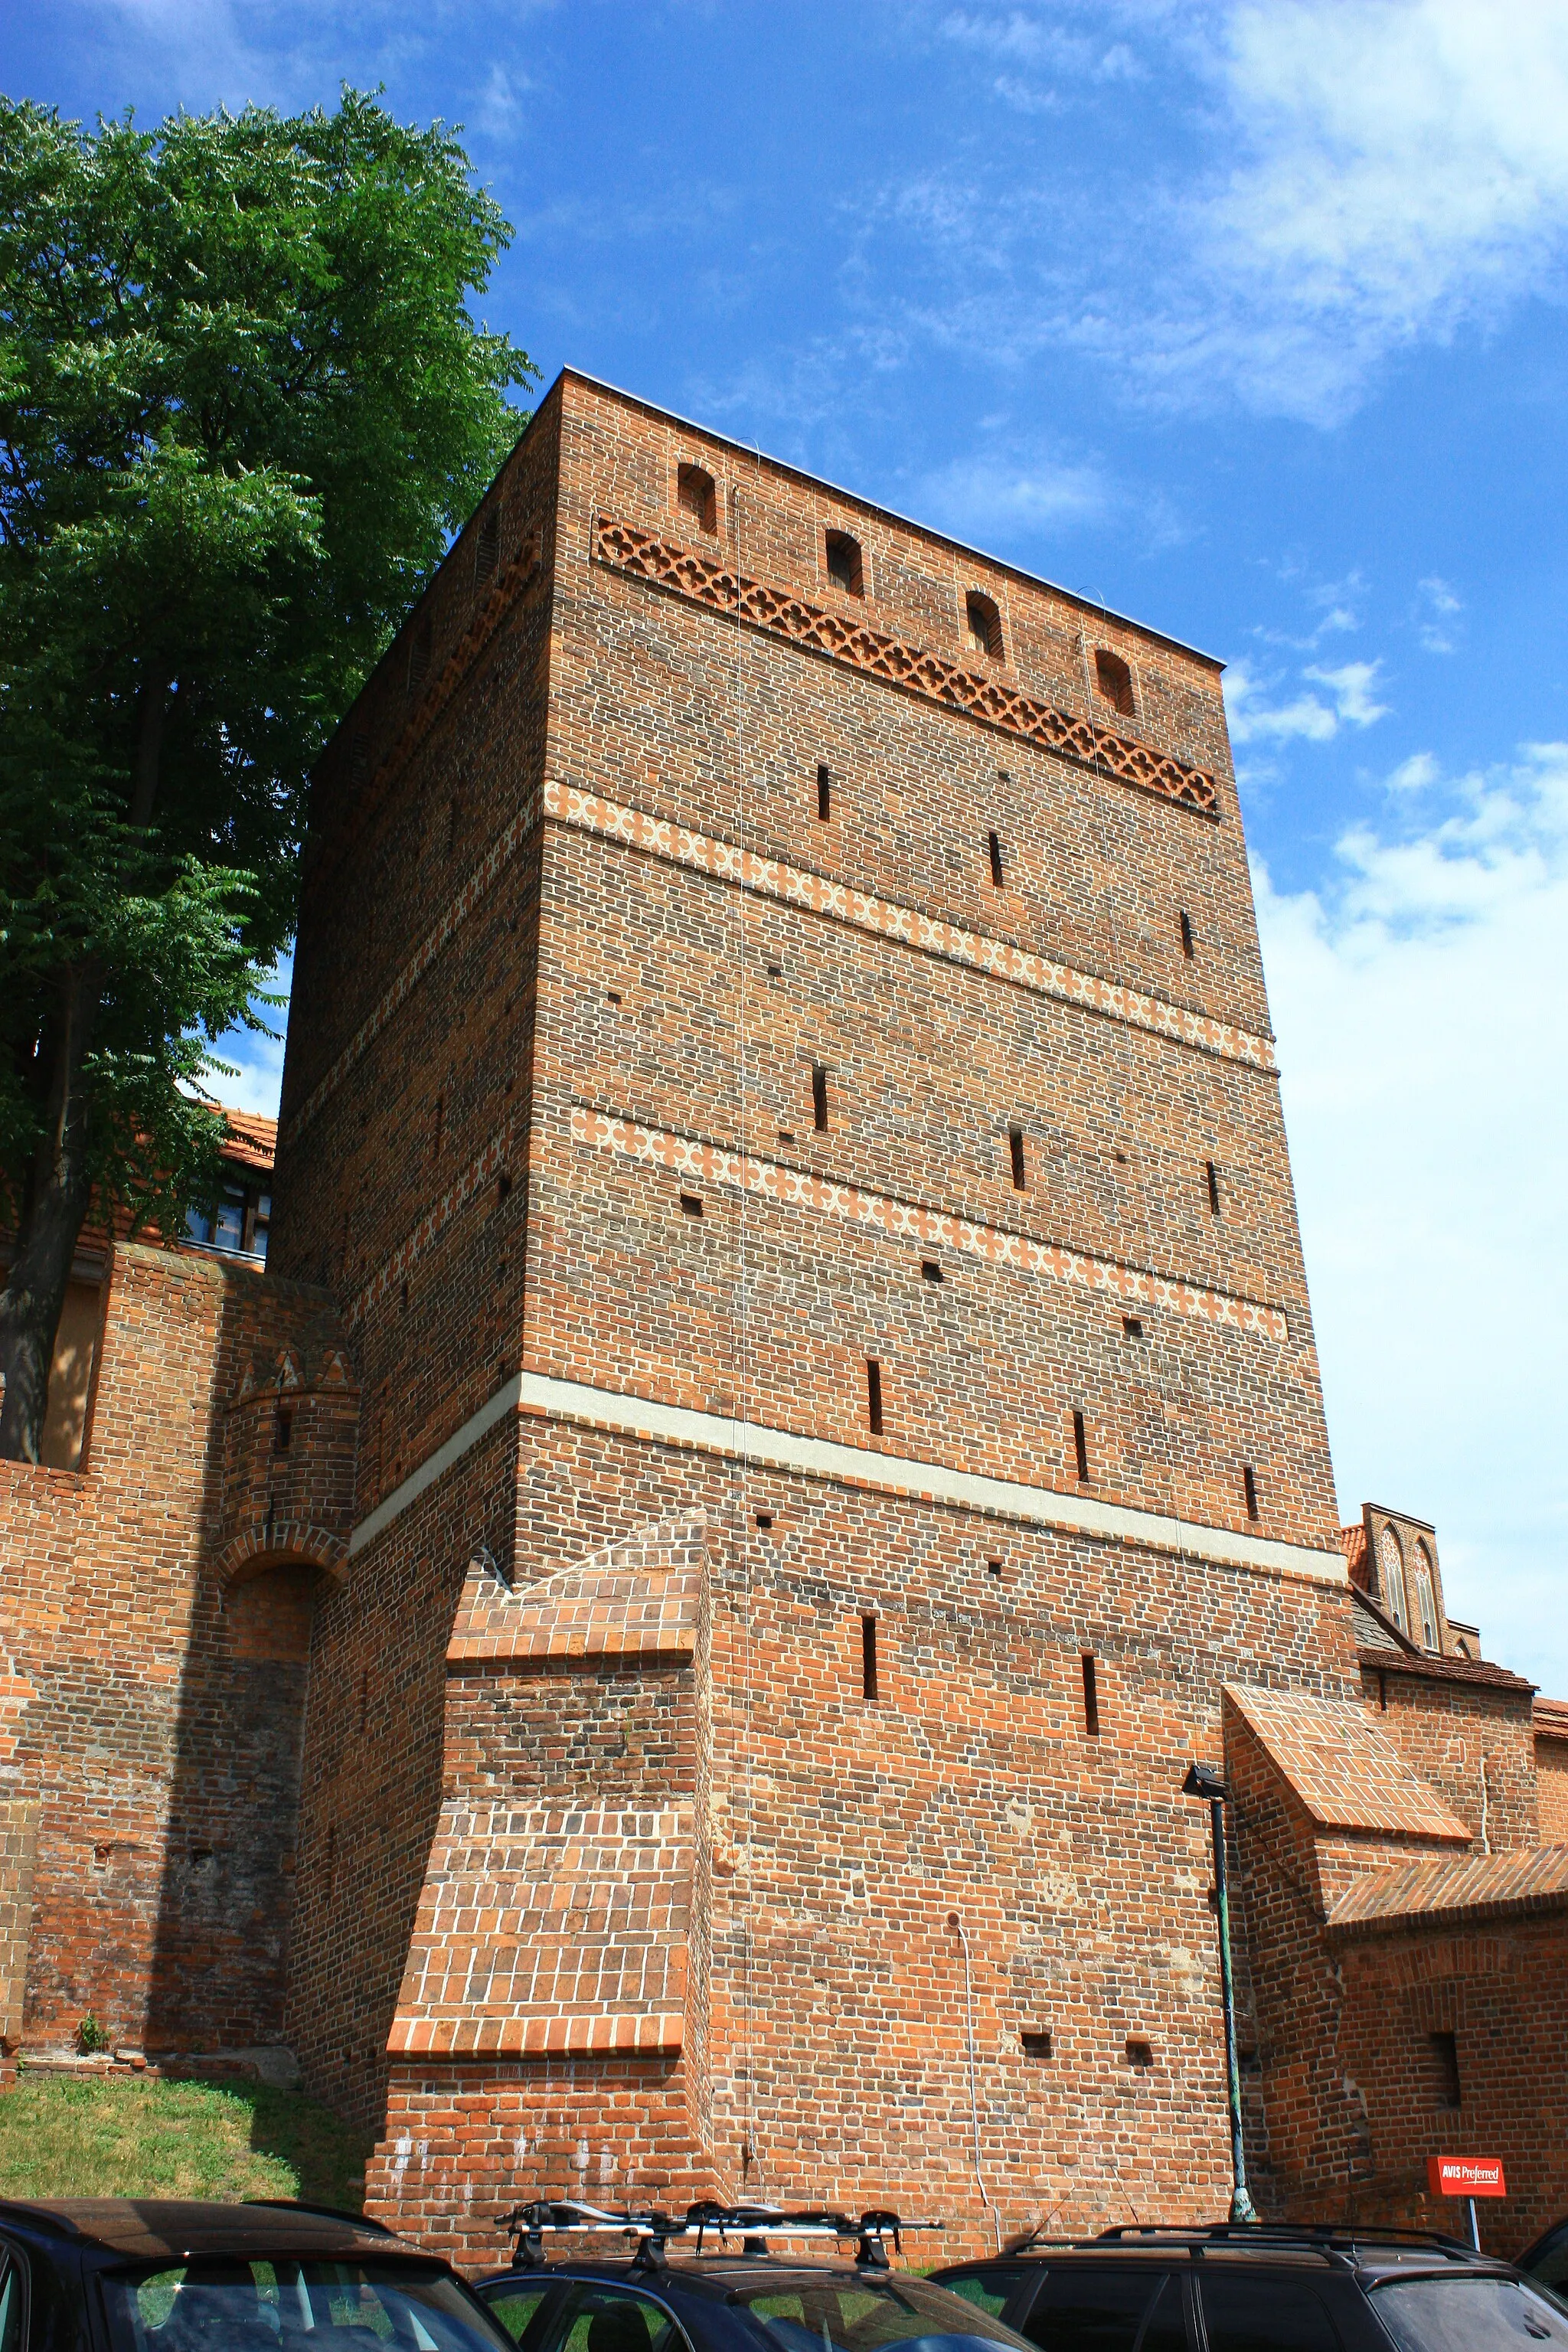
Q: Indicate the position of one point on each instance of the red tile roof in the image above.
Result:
(1429, 1664)
(1346, 1772)
(1551, 1716)
(252, 1141)
(1352, 1543)
(1488, 1885)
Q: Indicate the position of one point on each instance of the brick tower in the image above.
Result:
(780, 1085)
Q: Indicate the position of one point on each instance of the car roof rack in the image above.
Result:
(328, 2213)
(1335, 2239)
(753, 2224)
(1310, 2232)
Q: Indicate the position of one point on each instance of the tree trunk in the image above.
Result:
(58, 1191)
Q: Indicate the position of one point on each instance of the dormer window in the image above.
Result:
(696, 495)
(983, 625)
(844, 567)
(1114, 679)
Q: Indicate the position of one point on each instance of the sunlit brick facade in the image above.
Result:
(781, 1141)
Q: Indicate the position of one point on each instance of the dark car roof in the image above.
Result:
(1372, 2253)
(141, 2228)
(720, 2275)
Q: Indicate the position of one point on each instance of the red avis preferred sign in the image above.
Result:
(1466, 2176)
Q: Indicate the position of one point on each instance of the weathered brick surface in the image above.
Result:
(576, 942)
(154, 1607)
(1486, 1962)
(1468, 1730)
(1550, 1720)
(450, 1659)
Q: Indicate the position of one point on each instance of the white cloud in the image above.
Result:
(256, 1058)
(1351, 688)
(1437, 609)
(1414, 775)
(1404, 170)
(1359, 176)
(1254, 718)
(1426, 1084)
(996, 494)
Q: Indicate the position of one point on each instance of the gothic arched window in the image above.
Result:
(1391, 1570)
(1426, 1597)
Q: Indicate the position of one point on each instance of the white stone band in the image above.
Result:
(819, 1457)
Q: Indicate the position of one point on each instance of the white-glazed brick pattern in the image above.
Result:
(795, 886)
(550, 1929)
(1130, 1287)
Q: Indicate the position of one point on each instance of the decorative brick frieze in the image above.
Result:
(796, 1188)
(795, 886)
(642, 554)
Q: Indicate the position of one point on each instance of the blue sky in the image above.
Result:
(1249, 319)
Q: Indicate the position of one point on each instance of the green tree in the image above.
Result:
(243, 404)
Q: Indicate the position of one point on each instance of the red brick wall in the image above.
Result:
(1448, 1730)
(1501, 1990)
(158, 1635)
(1552, 1784)
(841, 1835)
(452, 1012)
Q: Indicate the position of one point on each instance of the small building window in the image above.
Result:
(1449, 2090)
(983, 625)
(868, 1688)
(696, 495)
(486, 547)
(1114, 679)
(843, 565)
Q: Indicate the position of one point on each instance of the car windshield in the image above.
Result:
(1468, 2312)
(223, 2303)
(855, 2315)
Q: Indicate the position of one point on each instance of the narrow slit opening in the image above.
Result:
(995, 847)
(1091, 1696)
(1249, 1488)
(824, 793)
(874, 1395)
(1186, 935)
(1015, 1150)
(1212, 1173)
(867, 1656)
(1080, 1445)
(819, 1099)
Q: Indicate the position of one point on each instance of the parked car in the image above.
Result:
(171, 2275)
(714, 2286)
(1259, 2288)
(1548, 2258)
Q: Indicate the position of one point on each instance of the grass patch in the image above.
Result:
(124, 2135)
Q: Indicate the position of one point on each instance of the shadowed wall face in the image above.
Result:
(158, 1604)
